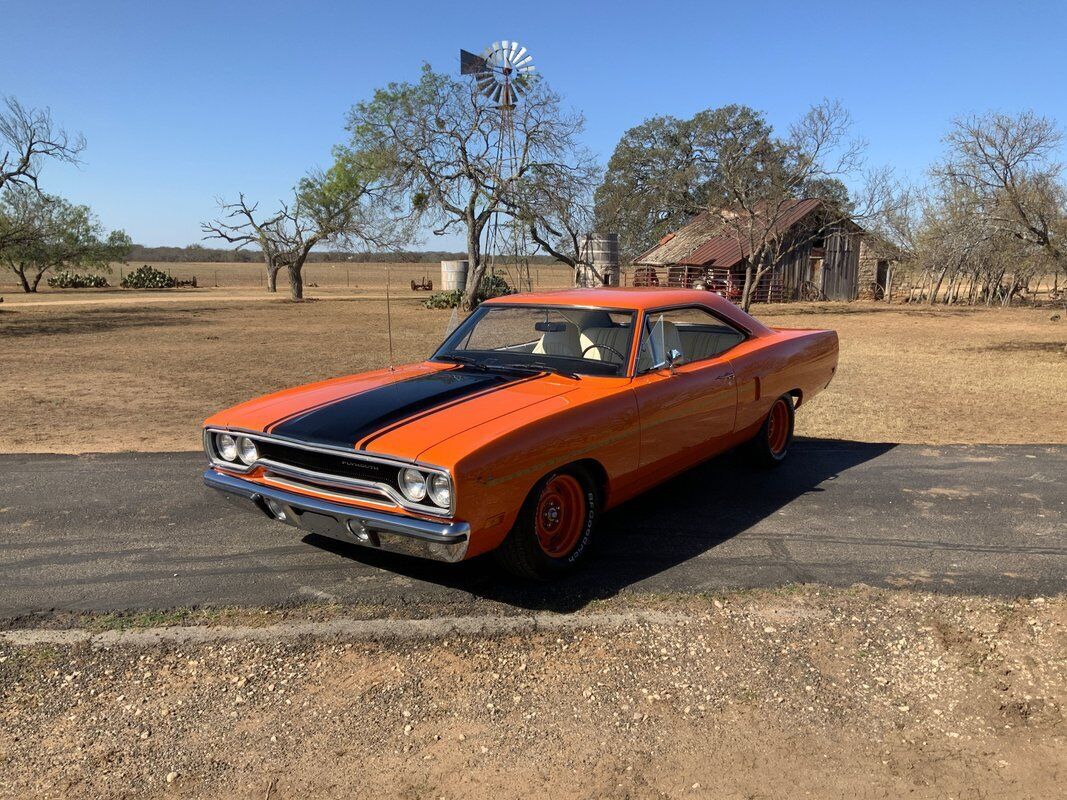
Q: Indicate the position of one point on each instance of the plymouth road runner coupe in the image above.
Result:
(536, 414)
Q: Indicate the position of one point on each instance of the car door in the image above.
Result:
(687, 412)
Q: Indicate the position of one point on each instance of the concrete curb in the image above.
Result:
(375, 630)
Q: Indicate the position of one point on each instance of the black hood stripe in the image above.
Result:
(344, 422)
(270, 428)
(363, 445)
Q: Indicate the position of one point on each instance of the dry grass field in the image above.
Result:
(112, 370)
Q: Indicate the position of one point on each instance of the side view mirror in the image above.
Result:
(673, 357)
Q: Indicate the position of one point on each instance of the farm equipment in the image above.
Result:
(422, 285)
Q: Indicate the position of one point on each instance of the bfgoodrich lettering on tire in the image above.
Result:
(554, 527)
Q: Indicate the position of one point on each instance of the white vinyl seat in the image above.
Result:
(560, 343)
(610, 344)
(706, 344)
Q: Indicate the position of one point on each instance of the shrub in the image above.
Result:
(147, 277)
(66, 279)
(444, 299)
(495, 286)
(492, 286)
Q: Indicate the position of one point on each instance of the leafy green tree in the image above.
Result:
(440, 140)
(730, 164)
(653, 184)
(56, 233)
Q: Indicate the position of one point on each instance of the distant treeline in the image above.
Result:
(195, 252)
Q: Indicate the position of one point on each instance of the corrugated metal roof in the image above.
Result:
(701, 243)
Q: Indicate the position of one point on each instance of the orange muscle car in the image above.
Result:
(537, 413)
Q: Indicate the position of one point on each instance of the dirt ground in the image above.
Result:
(803, 693)
(113, 371)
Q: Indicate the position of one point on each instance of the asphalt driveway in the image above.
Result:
(139, 531)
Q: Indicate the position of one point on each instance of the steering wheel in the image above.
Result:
(622, 358)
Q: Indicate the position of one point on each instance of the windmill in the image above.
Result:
(503, 74)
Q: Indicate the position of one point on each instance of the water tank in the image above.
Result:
(454, 275)
(601, 251)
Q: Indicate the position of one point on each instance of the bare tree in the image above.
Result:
(1008, 164)
(239, 225)
(340, 206)
(756, 179)
(443, 142)
(28, 137)
(555, 206)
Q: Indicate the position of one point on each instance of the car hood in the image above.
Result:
(401, 412)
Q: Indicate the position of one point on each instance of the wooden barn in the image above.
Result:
(821, 260)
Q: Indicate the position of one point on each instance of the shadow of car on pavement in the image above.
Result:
(662, 529)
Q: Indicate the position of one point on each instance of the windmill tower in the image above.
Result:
(503, 74)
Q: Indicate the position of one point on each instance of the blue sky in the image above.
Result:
(184, 101)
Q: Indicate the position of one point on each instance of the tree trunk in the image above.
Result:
(936, 286)
(272, 276)
(749, 287)
(21, 272)
(37, 279)
(296, 278)
(475, 268)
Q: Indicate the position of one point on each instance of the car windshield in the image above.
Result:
(571, 341)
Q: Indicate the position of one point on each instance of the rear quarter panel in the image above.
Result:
(799, 361)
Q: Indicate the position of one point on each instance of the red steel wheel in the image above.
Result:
(778, 427)
(559, 519)
(553, 529)
(770, 445)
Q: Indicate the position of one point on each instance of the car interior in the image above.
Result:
(604, 336)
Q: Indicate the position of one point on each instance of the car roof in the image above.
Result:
(634, 298)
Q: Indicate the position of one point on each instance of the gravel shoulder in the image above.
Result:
(806, 691)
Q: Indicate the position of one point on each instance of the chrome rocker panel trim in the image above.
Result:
(439, 541)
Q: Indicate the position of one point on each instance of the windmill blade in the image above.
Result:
(526, 60)
(518, 56)
(471, 64)
(496, 94)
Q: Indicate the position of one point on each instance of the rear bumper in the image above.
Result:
(440, 541)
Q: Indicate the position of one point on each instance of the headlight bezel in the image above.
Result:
(247, 461)
(417, 491)
(441, 496)
(226, 447)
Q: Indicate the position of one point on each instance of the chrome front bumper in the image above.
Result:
(440, 541)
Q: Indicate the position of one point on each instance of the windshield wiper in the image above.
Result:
(466, 361)
(535, 366)
(540, 366)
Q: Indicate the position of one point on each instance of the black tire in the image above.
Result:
(522, 553)
(769, 448)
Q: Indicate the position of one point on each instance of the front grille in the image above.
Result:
(330, 463)
(328, 489)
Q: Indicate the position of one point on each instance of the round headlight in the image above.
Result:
(412, 484)
(441, 490)
(226, 446)
(246, 450)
